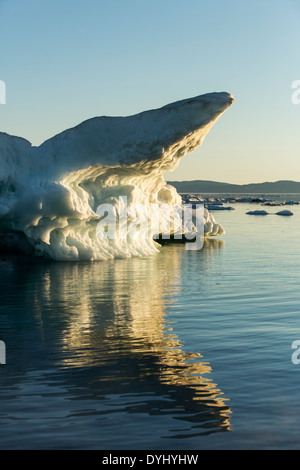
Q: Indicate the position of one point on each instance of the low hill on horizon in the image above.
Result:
(207, 186)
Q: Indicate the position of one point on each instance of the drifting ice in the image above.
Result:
(50, 194)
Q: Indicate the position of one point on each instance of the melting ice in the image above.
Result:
(49, 195)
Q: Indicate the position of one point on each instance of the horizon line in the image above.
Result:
(236, 184)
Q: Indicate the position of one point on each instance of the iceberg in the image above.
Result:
(50, 194)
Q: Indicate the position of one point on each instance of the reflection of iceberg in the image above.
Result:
(119, 340)
(51, 193)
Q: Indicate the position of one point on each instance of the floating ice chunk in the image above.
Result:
(257, 212)
(284, 212)
(219, 207)
(216, 203)
(272, 203)
(291, 203)
(51, 193)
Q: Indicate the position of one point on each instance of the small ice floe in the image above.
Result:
(257, 212)
(257, 199)
(291, 203)
(272, 203)
(218, 207)
(284, 212)
(250, 200)
(193, 199)
(190, 198)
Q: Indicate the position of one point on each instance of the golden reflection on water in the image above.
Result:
(117, 310)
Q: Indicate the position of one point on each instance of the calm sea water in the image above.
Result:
(183, 350)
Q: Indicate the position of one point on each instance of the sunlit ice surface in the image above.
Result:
(52, 194)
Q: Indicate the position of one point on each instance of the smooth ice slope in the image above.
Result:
(51, 193)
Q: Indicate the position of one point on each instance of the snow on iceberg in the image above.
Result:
(49, 194)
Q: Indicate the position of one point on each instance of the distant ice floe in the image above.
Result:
(221, 200)
(49, 195)
(257, 212)
(291, 203)
(285, 212)
(210, 204)
(218, 203)
(218, 207)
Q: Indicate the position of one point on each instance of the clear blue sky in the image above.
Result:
(68, 60)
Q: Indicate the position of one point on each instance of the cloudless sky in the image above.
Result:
(69, 60)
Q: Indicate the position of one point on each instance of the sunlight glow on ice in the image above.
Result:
(51, 193)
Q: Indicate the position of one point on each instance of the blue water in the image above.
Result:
(181, 350)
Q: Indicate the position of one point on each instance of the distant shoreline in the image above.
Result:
(211, 187)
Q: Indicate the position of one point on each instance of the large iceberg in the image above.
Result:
(50, 194)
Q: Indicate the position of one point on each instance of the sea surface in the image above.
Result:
(182, 350)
